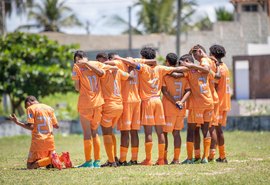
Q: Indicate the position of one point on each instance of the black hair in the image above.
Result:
(217, 51)
(79, 53)
(148, 53)
(30, 99)
(172, 59)
(196, 47)
(111, 55)
(102, 55)
(186, 57)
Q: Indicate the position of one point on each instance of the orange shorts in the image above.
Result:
(92, 115)
(111, 113)
(152, 112)
(173, 123)
(34, 156)
(222, 118)
(200, 116)
(130, 119)
(215, 114)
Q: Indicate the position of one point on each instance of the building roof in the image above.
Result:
(246, 1)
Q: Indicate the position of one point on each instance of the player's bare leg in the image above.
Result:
(166, 147)
(206, 141)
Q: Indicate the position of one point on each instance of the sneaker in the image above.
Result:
(219, 160)
(146, 162)
(56, 162)
(133, 162)
(196, 160)
(211, 160)
(49, 166)
(96, 164)
(187, 161)
(204, 161)
(87, 164)
(175, 162)
(109, 164)
(66, 159)
(125, 163)
(116, 161)
(160, 162)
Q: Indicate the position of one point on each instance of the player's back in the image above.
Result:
(213, 70)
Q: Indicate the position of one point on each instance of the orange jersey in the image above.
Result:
(111, 85)
(176, 87)
(223, 90)
(150, 78)
(130, 88)
(201, 97)
(213, 70)
(42, 117)
(90, 95)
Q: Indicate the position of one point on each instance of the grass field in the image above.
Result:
(248, 155)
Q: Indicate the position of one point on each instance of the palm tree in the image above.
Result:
(51, 15)
(223, 15)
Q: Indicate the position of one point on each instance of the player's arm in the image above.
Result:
(203, 69)
(185, 97)
(151, 62)
(167, 94)
(27, 126)
(94, 68)
(218, 74)
(77, 85)
(110, 62)
(128, 61)
(176, 75)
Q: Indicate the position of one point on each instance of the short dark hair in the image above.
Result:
(30, 98)
(102, 55)
(196, 47)
(79, 53)
(186, 57)
(172, 59)
(111, 55)
(217, 51)
(148, 53)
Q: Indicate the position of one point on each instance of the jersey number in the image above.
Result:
(203, 85)
(178, 88)
(93, 83)
(46, 123)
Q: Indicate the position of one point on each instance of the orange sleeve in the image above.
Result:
(53, 118)
(75, 72)
(187, 86)
(205, 62)
(124, 75)
(166, 70)
(30, 115)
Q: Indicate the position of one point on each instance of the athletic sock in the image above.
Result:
(197, 153)
(206, 146)
(87, 149)
(96, 143)
(114, 145)
(134, 153)
(161, 151)
(190, 146)
(44, 162)
(222, 151)
(123, 153)
(177, 152)
(108, 143)
(148, 150)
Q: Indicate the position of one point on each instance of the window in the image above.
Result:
(250, 8)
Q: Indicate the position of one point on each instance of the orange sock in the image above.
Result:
(206, 146)
(190, 146)
(148, 150)
(108, 143)
(123, 153)
(161, 151)
(221, 151)
(197, 153)
(44, 162)
(87, 149)
(114, 144)
(212, 154)
(177, 152)
(165, 155)
(134, 153)
(96, 143)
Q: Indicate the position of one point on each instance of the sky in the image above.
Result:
(100, 14)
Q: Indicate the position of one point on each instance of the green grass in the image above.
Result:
(248, 155)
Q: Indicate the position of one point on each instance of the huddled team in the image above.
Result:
(126, 93)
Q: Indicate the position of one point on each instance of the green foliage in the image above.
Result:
(203, 25)
(33, 64)
(223, 15)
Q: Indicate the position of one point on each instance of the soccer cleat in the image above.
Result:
(204, 161)
(219, 160)
(96, 164)
(109, 164)
(56, 162)
(187, 161)
(66, 159)
(160, 162)
(196, 160)
(175, 162)
(133, 162)
(125, 163)
(87, 164)
(211, 160)
(49, 166)
(116, 161)
(146, 162)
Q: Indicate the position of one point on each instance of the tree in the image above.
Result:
(223, 15)
(33, 65)
(203, 25)
(51, 15)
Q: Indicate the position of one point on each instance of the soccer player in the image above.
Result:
(200, 101)
(102, 57)
(223, 90)
(87, 82)
(112, 110)
(175, 92)
(41, 121)
(152, 109)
